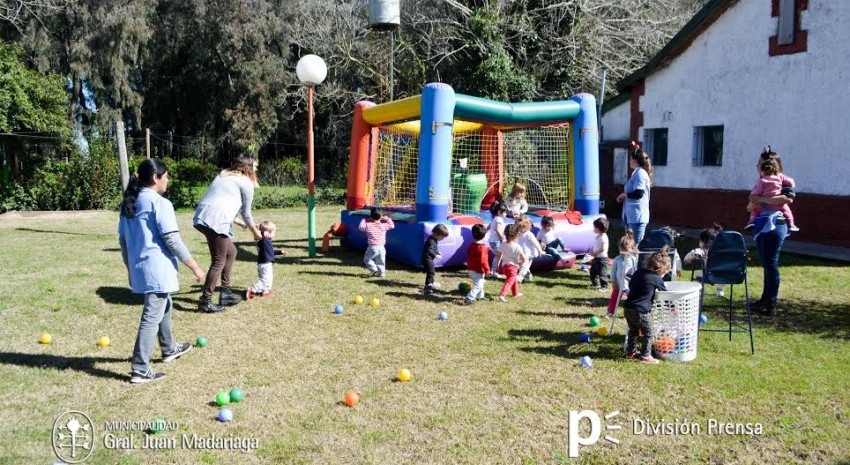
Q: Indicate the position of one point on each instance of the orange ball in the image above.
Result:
(351, 399)
(664, 345)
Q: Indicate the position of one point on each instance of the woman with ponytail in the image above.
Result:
(151, 246)
(636, 192)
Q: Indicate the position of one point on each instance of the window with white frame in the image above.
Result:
(655, 144)
(708, 146)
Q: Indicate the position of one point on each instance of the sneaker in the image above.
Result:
(720, 293)
(249, 294)
(138, 377)
(227, 297)
(483, 297)
(608, 316)
(526, 279)
(427, 290)
(604, 289)
(518, 295)
(502, 298)
(179, 350)
(381, 275)
(649, 360)
(209, 307)
(634, 355)
(497, 276)
(793, 228)
(436, 286)
(766, 309)
(373, 274)
(468, 301)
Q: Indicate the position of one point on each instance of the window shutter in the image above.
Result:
(787, 14)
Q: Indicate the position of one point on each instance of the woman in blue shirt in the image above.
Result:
(636, 193)
(151, 246)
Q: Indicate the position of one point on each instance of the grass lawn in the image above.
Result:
(494, 384)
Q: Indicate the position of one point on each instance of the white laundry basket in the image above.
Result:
(675, 318)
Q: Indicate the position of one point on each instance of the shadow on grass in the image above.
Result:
(566, 344)
(577, 316)
(592, 301)
(48, 231)
(828, 320)
(84, 364)
(420, 297)
(119, 296)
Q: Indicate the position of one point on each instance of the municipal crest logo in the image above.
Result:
(73, 437)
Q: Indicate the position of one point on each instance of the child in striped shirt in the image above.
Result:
(376, 227)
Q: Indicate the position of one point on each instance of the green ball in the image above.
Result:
(222, 398)
(236, 395)
(201, 341)
(158, 425)
(594, 321)
(464, 287)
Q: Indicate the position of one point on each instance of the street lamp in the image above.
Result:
(311, 71)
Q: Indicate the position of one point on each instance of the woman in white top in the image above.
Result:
(636, 193)
(230, 193)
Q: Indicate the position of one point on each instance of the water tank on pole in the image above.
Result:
(384, 15)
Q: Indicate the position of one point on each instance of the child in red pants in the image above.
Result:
(513, 257)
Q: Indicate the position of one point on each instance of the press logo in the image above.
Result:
(575, 438)
(73, 437)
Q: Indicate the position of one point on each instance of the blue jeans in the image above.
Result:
(639, 229)
(155, 324)
(769, 245)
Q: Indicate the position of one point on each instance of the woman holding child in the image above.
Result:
(230, 193)
(769, 233)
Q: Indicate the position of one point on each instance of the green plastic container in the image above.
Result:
(467, 192)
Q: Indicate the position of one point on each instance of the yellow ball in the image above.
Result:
(602, 331)
(46, 338)
(375, 302)
(358, 299)
(404, 374)
(104, 341)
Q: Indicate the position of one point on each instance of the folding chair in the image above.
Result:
(726, 263)
(652, 242)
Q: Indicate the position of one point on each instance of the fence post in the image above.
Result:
(122, 155)
(148, 142)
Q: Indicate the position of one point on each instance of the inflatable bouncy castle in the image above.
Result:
(442, 157)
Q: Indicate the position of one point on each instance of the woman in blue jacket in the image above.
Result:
(636, 193)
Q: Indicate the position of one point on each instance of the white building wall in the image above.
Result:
(616, 122)
(799, 103)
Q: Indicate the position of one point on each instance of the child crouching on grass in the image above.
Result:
(265, 259)
(477, 264)
(638, 307)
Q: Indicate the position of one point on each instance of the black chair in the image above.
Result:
(652, 242)
(726, 263)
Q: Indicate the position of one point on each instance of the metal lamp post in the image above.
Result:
(311, 71)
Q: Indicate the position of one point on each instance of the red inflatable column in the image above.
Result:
(358, 194)
(492, 161)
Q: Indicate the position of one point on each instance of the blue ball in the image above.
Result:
(585, 337)
(225, 415)
(586, 361)
(703, 318)
(338, 309)
(443, 316)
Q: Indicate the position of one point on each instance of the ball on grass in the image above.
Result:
(351, 399)
(464, 287)
(586, 362)
(236, 395)
(375, 302)
(45, 338)
(338, 309)
(222, 398)
(358, 299)
(585, 337)
(602, 331)
(703, 318)
(443, 316)
(594, 321)
(158, 425)
(225, 415)
(201, 342)
(104, 341)
(404, 375)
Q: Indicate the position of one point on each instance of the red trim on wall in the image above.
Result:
(816, 215)
(636, 115)
(801, 37)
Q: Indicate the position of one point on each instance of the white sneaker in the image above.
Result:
(436, 286)
(793, 228)
(502, 298)
(518, 295)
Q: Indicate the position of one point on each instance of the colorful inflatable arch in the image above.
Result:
(442, 157)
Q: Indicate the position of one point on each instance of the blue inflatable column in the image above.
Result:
(586, 144)
(435, 157)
